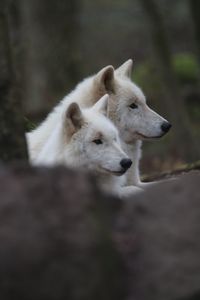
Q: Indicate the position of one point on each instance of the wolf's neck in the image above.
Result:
(108, 182)
(134, 152)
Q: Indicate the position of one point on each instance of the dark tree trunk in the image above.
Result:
(53, 57)
(12, 140)
(195, 11)
(183, 140)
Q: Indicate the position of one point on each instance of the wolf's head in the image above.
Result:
(92, 140)
(127, 105)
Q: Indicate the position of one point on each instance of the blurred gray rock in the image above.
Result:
(61, 238)
(55, 238)
(167, 224)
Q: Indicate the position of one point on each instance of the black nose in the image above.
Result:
(166, 126)
(126, 163)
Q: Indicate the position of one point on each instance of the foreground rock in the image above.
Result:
(167, 224)
(61, 238)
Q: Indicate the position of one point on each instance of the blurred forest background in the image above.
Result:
(51, 45)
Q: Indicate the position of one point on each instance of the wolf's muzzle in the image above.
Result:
(126, 163)
(166, 127)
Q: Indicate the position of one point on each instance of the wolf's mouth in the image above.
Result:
(119, 173)
(116, 173)
(149, 137)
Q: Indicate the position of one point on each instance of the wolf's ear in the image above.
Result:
(101, 105)
(74, 118)
(105, 79)
(125, 69)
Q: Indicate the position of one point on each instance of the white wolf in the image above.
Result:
(86, 138)
(127, 109)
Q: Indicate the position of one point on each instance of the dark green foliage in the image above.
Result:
(186, 68)
(29, 125)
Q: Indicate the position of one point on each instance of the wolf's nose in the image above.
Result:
(126, 163)
(166, 126)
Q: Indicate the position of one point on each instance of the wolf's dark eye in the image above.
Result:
(133, 106)
(98, 142)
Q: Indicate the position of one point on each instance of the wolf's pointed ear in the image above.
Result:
(74, 118)
(101, 105)
(125, 69)
(105, 79)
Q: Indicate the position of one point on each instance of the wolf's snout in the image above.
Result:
(126, 163)
(166, 127)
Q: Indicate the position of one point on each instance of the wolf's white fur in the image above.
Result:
(71, 143)
(134, 125)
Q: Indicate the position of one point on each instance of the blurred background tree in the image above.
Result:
(62, 42)
(51, 34)
(195, 9)
(171, 97)
(12, 140)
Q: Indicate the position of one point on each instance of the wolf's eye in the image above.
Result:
(133, 106)
(98, 142)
